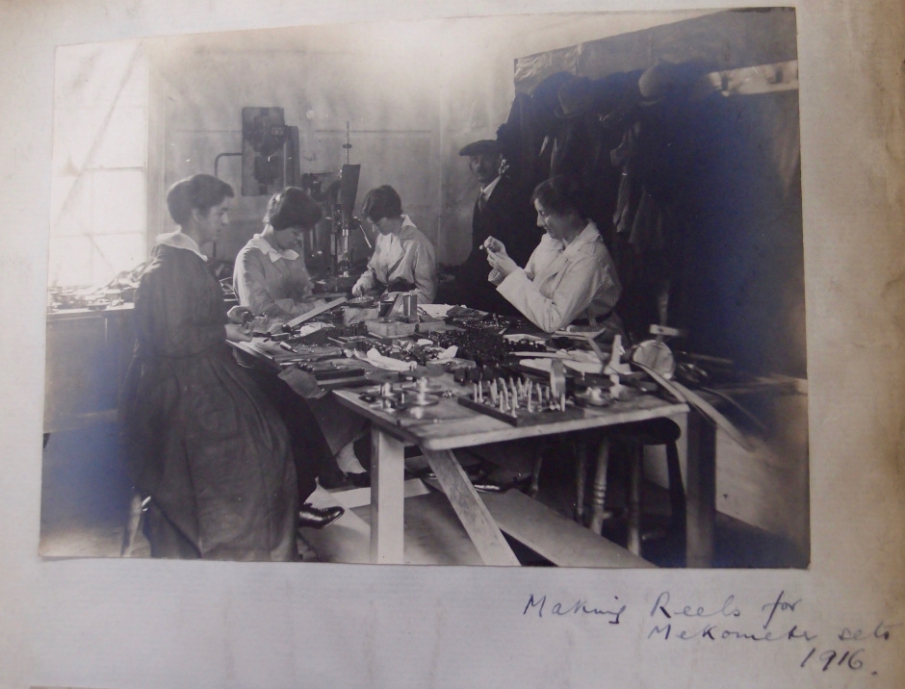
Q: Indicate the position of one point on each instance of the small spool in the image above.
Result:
(656, 355)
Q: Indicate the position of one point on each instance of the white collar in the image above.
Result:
(180, 240)
(404, 230)
(588, 235)
(261, 244)
(488, 190)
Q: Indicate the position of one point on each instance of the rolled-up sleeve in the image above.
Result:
(425, 273)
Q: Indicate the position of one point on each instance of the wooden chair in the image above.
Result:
(634, 437)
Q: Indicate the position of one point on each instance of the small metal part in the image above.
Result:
(557, 378)
(656, 355)
(408, 400)
(597, 397)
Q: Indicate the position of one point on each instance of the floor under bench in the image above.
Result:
(434, 536)
(85, 496)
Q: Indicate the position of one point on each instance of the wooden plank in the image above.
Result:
(387, 498)
(556, 538)
(472, 512)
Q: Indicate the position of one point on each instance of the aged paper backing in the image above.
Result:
(130, 624)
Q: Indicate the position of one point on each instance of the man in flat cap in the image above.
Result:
(502, 210)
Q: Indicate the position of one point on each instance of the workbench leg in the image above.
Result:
(387, 498)
(536, 469)
(481, 528)
(700, 491)
(634, 499)
(598, 496)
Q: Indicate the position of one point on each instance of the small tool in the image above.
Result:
(298, 320)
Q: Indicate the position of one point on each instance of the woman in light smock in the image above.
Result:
(403, 257)
(570, 276)
(270, 276)
(271, 279)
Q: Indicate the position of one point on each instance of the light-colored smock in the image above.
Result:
(562, 283)
(408, 256)
(271, 282)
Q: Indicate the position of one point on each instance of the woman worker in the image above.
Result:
(570, 275)
(271, 279)
(270, 275)
(402, 254)
(205, 444)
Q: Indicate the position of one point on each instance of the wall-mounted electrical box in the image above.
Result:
(270, 160)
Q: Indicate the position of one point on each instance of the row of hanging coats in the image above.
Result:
(696, 194)
(618, 135)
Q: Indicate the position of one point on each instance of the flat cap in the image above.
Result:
(482, 147)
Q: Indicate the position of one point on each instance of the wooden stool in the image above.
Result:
(637, 436)
(578, 445)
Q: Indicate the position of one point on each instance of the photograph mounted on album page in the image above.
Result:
(543, 305)
(595, 316)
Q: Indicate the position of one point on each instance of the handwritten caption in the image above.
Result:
(777, 620)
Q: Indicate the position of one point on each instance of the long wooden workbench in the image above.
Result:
(439, 429)
(449, 426)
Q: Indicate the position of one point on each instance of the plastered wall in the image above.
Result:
(411, 101)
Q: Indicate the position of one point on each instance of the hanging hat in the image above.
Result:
(663, 80)
(545, 94)
(576, 97)
(482, 147)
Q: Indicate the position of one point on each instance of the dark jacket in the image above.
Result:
(509, 216)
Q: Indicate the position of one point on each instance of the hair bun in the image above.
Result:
(292, 207)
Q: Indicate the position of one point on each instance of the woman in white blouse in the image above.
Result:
(570, 275)
(270, 276)
(402, 254)
(271, 279)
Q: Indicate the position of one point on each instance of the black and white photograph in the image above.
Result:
(512, 291)
(441, 344)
